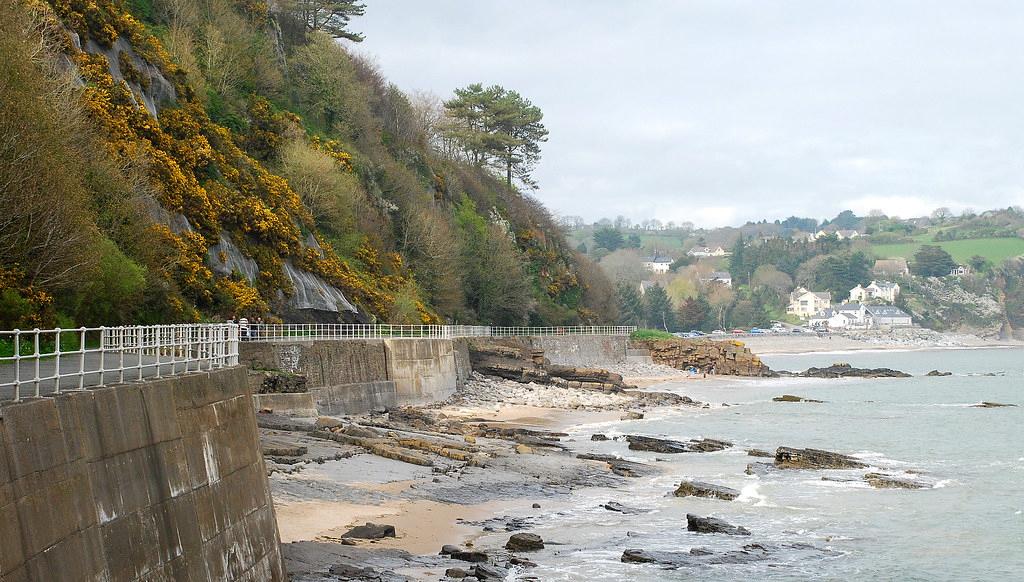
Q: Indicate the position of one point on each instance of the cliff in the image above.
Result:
(729, 358)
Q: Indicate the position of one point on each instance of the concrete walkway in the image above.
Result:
(75, 374)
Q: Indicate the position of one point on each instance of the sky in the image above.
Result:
(722, 111)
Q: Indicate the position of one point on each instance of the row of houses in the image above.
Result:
(816, 307)
(861, 316)
(841, 234)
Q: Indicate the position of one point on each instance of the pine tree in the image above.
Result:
(659, 308)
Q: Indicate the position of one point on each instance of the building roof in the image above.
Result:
(850, 307)
(898, 265)
(886, 311)
(720, 275)
(700, 250)
(658, 259)
(884, 284)
(848, 233)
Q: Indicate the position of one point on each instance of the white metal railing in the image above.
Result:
(314, 331)
(50, 361)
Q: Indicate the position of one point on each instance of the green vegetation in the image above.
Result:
(272, 140)
(650, 334)
(996, 250)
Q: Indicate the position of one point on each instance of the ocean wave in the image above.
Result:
(751, 494)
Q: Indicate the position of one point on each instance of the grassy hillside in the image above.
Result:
(185, 160)
(996, 250)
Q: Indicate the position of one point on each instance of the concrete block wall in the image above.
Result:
(423, 370)
(156, 481)
(581, 350)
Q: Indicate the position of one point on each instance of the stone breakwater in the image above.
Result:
(729, 357)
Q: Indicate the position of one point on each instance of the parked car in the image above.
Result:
(718, 332)
(738, 332)
(696, 333)
(797, 330)
(758, 330)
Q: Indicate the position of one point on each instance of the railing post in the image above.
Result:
(35, 356)
(17, 365)
(56, 363)
(81, 358)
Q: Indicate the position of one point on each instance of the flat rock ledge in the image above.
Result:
(793, 398)
(644, 443)
(789, 458)
(701, 489)
(884, 481)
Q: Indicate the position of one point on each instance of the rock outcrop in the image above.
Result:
(644, 443)
(524, 542)
(701, 489)
(788, 458)
(698, 524)
(843, 370)
(513, 359)
(793, 398)
(884, 481)
(728, 357)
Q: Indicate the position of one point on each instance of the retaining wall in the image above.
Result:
(156, 481)
(581, 351)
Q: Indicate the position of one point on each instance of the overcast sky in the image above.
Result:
(722, 111)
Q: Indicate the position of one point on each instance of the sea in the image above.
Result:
(968, 524)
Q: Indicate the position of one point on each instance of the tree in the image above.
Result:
(658, 308)
(500, 128)
(693, 313)
(608, 238)
(980, 264)
(330, 16)
(840, 273)
(941, 214)
(582, 248)
(633, 241)
(932, 261)
(631, 304)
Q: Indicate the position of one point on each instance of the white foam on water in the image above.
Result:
(751, 493)
(943, 483)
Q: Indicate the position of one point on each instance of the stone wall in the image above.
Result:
(323, 362)
(724, 357)
(156, 481)
(581, 350)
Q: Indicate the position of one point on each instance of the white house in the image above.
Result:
(700, 252)
(858, 293)
(804, 303)
(959, 271)
(847, 234)
(658, 264)
(720, 277)
(884, 290)
(887, 316)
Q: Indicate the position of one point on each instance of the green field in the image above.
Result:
(996, 250)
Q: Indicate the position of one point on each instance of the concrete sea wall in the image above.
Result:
(156, 481)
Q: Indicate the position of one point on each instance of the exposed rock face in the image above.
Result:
(788, 458)
(749, 553)
(730, 358)
(759, 453)
(938, 373)
(524, 542)
(848, 371)
(696, 523)
(370, 531)
(643, 443)
(792, 398)
(701, 489)
(620, 467)
(883, 481)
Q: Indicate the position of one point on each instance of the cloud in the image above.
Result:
(738, 110)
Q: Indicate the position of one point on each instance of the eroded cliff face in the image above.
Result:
(728, 357)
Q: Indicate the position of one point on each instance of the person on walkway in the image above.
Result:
(243, 328)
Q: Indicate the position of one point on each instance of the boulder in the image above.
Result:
(632, 415)
(370, 531)
(524, 542)
(598, 437)
(938, 373)
(456, 573)
(469, 556)
(698, 524)
(449, 549)
(759, 453)
(489, 572)
(701, 489)
(789, 458)
(516, 561)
